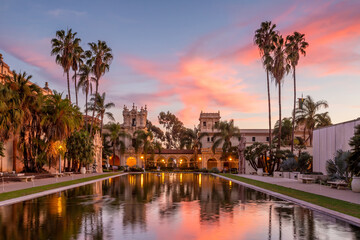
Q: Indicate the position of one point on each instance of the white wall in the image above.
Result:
(327, 140)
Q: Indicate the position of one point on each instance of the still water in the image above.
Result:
(166, 206)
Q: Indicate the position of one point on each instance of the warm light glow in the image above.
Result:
(230, 159)
(163, 160)
(59, 206)
(162, 177)
(180, 177)
(142, 180)
(142, 157)
(200, 180)
(199, 158)
(230, 184)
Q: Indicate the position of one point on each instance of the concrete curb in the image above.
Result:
(350, 219)
(55, 190)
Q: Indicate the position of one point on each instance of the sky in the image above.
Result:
(191, 56)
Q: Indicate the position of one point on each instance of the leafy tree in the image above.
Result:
(80, 148)
(63, 49)
(99, 58)
(309, 117)
(227, 131)
(263, 38)
(159, 135)
(98, 104)
(279, 69)
(354, 159)
(174, 129)
(295, 45)
(254, 153)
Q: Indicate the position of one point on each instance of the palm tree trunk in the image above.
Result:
(101, 124)
(279, 136)
(76, 90)
(68, 84)
(93, 114)
(269, 108)
(293, 120)
(15, 140)
(86, 108)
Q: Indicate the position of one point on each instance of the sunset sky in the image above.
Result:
(192, 56)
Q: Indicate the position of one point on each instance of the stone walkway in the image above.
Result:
(346, 195)
(13, 186)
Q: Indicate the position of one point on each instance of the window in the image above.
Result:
(208, 139)
(239, 139)
(204, 124)
(267, 139)
(133, 142)
(134, 122)
(253, 139)
(212, 139)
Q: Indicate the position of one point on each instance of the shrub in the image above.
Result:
(204, 170)
(214, 170)
(354, 159)
(304, 162)
(290, 164)
(337, 168)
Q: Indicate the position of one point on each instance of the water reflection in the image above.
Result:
(159, 206)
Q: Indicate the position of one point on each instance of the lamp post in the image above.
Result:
(230, 164)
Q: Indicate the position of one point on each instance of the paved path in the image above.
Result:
(13, 186)
(346, 195)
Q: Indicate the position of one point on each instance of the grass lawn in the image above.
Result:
(348, 208)
(27, 191)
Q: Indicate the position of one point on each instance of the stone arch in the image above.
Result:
(183, 162)
(131, 161)
(160, 161)
(171, 161)
(211, 163)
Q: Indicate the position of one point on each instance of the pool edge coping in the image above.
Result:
(55, 190)
(344, 217)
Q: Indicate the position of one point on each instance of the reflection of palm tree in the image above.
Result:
(270, 208)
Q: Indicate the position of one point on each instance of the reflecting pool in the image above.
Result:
(166, 206)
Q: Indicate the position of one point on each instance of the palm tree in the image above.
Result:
(99, 58)
(227, 131)
(278, 71)
(286, 130)
(98, 105)
(61, 118)
(15, 118)
(191, 139)
(77, 61)
(295, 45)
(264, 40)
(85, 84)
(309, 117)
(144, 140)
(116, 134)
(63, 49)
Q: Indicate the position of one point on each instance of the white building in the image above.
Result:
(328, 140)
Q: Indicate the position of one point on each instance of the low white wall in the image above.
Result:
(327, 140)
